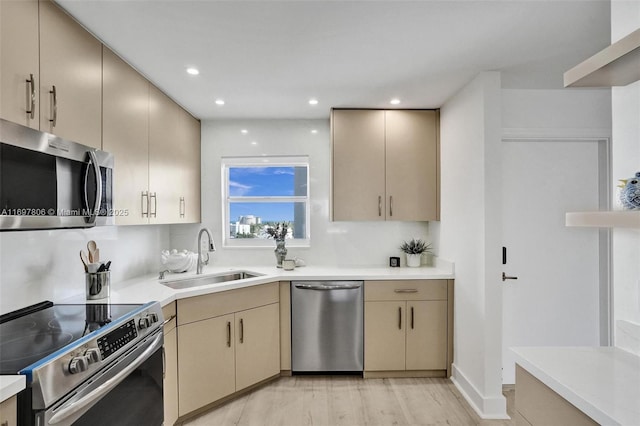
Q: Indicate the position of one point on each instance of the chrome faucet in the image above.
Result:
(212, 248)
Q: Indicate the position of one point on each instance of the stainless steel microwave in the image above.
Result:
(47, 182)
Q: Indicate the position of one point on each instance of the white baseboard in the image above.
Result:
(485, 407)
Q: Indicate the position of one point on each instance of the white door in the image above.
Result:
(555, 300)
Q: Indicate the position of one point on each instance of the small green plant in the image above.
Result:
(415, 246)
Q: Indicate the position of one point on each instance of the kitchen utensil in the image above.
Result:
(96, 255)
(102, 268)
(85, 261)
(107, 266)
(92, 247)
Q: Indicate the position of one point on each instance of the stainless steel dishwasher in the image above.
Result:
(327, 326)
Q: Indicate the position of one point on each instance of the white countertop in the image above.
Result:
(148, 288)
(603, 382)
(11, 385)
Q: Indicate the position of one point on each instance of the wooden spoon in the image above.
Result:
(92, 247)
(85, 261)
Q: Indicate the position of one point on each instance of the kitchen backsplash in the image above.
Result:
(45, 265)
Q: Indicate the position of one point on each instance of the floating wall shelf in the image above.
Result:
(609, 219)
(616, 65)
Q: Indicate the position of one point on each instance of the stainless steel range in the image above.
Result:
(94, 364)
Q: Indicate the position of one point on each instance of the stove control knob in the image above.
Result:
(154, 317)
(144, 323)
(78, 364)
(93, 355)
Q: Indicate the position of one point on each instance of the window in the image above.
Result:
(258, 193)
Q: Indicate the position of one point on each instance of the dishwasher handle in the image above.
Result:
(325, 287)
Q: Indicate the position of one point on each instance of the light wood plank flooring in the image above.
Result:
(350, 401)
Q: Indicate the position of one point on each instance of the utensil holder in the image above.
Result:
(98, 284)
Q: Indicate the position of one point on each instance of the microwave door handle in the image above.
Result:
(93, 161)
(107, 386)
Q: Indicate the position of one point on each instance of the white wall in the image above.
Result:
(625, 18)
(45, 265)
(470, 236)
(332, 243)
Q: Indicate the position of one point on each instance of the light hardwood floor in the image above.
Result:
(350, 401)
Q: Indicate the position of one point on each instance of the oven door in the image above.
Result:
(127, 392)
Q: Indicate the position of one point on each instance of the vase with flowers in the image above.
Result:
(414, 250)
(279, 233)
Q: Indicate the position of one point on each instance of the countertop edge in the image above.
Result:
(565, 389)
(11, 385)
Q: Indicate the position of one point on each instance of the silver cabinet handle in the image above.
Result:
(390, 205)
(399, 318)
(405, 290)
(31, 97)
(506, 277)
(182, 207)
(327, 287)
(54, 106)
(168, 320)
(379, 205)
(144, 202)
(241, 331)
(228, 334)
(154, 212)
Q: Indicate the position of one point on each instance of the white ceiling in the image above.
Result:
(266, 59)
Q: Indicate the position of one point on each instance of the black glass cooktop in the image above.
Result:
(27, 336)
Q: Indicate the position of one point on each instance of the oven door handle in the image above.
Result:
(107, 386)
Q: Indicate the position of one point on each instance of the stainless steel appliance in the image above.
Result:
(327, 326)
(93, 364)
(47, 182)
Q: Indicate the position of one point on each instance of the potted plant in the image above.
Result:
(414, 250)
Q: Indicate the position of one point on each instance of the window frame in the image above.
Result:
(264, 161)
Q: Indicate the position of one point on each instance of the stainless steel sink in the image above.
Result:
(209, 279)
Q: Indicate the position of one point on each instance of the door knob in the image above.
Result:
(506, 277)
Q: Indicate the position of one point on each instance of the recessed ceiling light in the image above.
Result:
(219, 102)
(314, 131)
(244, 131)
(394, 101)
(254, 143)
(313, 101)
(193, 71)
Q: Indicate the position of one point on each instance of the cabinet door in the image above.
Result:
(19, 51)
(9, 412)
(126, 136)
(412, 165)
(384, 335)
(358, 163)
(164, 158)
(171, 377)
(190, 169)
(70, 60)
(426, 335)
(206, 362)
(257, 344)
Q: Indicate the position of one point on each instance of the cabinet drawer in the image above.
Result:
(169, 313)
(405, 290)
(217, 304)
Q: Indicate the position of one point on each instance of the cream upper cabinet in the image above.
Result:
(126, 135)
(189, 190)
(19, 62)
(70, 78)
(385, 165)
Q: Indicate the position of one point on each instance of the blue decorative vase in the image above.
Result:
(280, 252)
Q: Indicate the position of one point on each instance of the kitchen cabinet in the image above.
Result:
(174, 162)
(385, 165)
(70, 78)
(537, 404)
(285, 327)
(9, 412)
(126, 136)
(227, 342)
(20, 64)
(408, 327)
(170, 383)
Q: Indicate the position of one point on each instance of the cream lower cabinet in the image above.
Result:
(170, 383)
(227, 342)
(9, 412)
(407, 327)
